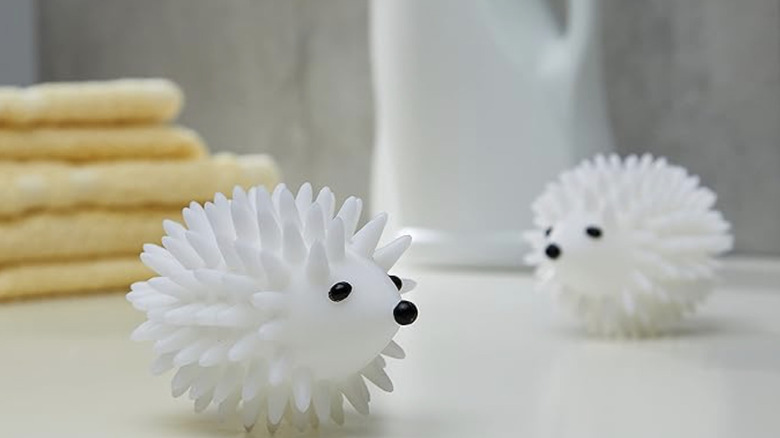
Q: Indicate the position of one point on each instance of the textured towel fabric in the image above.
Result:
(80, 234)
(151, 142)
(47, 186)
(67, 278)
(99, 102)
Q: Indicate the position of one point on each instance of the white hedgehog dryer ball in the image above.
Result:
(269, 306)
(628, 245)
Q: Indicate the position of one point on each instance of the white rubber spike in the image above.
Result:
(407, 285)
(378, 377)
(277, 272)
(303, 199)
(317, 265)
(388, 255)
(270, 233)
(293, 248)
(337, 407)
(288, 211)
(250, 412)
(256, 380)
(327, 201)
(350, 214)
(321, 401)
(314, 228)
(174, 229)
(335, 240)
(302, 389)
(394, 350)
(278, 397)
(354, 394)
(270, 301)
(364, 242)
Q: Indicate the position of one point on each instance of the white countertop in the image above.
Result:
(488, 357)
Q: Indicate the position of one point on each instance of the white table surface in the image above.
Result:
(488, 357)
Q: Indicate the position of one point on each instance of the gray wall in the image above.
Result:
(18, 54)
(697, 81)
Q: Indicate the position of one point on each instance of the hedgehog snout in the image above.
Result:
(553, 251)
(405, 312)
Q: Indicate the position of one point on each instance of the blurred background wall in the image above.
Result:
(18, 36)
(697, 81)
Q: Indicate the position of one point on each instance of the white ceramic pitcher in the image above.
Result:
(478, 105)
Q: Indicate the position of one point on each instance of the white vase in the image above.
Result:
(478, 105)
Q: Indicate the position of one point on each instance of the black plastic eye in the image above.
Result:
(548, 231)
(594, 232)
(397, 282)
(405, 313)
(340, 291)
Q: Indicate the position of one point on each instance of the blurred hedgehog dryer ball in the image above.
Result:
(627, 245)
(274, 307)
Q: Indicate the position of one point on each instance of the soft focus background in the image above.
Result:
(697, 81)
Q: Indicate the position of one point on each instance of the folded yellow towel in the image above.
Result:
(80, 234)
(100, 143)
(117, 101)
(66, 278)
(44, 186)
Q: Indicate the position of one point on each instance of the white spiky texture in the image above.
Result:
(649, 256)
(241, 306)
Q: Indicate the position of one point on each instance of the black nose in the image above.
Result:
(405, 313)
(553, 251)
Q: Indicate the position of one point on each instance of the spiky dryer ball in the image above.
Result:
(627, 245)
(269, 306)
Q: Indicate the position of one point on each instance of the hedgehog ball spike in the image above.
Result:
(627, 245)
(272, 306)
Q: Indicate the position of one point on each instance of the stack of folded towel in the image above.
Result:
(88, 173)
